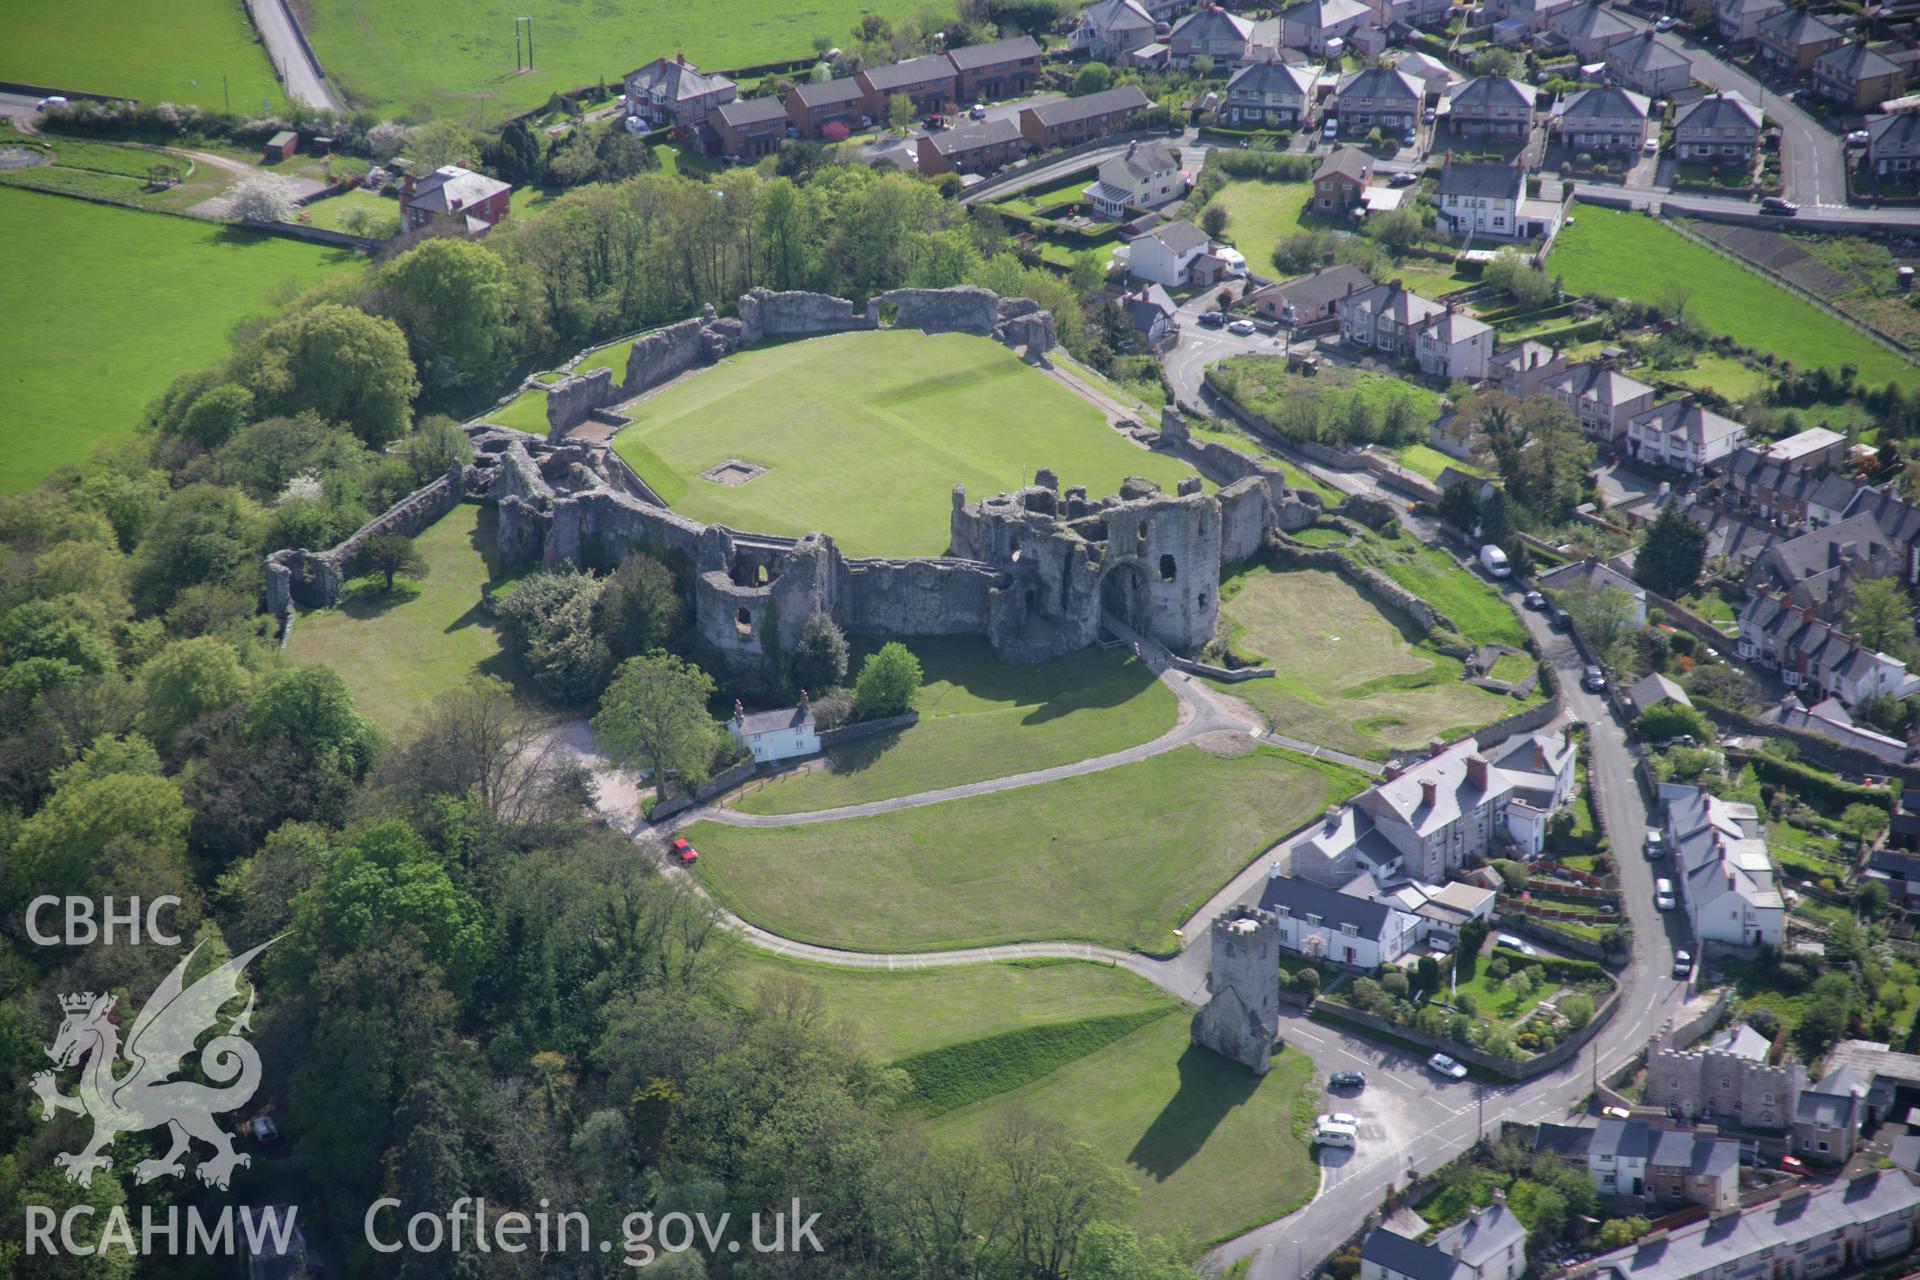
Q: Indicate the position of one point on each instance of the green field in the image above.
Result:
(1346, 676)
(1260, 215)
(190, 51)
(982, 718)
(897, 416)
(1629, 255)
(525, 412)
(398, 655)
(428, 58)
(1120, 856)
(110, 305)
(1210, 1145)
(1480, 612)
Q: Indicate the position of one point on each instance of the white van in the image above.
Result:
(1663, 895)
(1332, 1134)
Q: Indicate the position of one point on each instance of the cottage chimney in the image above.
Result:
(1392, 772)
(1429, 794)
(739, 712)
(1436, 746)
(805, 704)
(1539, 755)
(1810, 613)
(1332, 816)
(1477, 771)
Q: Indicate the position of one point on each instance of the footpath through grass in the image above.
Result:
(188, 51)
(109, 305)
(1630, 255)
(865, 434)
(1346, 675)
(982, 718)
(399, 653)
(1118, 857)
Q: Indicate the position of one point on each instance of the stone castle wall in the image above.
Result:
(315, 578)
(1696, 1082)
(1242, 1017)
(571, 399)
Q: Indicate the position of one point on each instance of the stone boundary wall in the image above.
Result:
(1527, 721)
(1526, 1069)
(571, 399)
(297, 575)
(1531, 927)
(868, 728)
(720, 783)
(1233, 675)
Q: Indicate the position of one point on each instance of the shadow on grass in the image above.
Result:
(1210, 1088)
(370, 597)
(867, 752)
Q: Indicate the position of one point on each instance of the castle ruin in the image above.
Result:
(1242, 1018)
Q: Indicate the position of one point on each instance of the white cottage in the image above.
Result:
(775, 735)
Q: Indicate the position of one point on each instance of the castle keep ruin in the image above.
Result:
(1036, 571)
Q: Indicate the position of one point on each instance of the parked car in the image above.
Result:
(1346, 1080)
(683, 851)
(1651, 146)
(1512, 943)
(1212, 319)
(1779, 207)
(265, 1131)
(1441, 1064)
(1331, 129)
(1243, 327)
(1535, 600)
(1793, 1164)
(1335, 1135)
(1428, 115)
(1593, 680)
(1859, 138)
(1682, 963)
(1663, 895)
(1340, 1118)
(979, 111)
(1665, 22)
(1562, 619)
(1404, 178)
(52, 100)
(1656, 846)
(1616, 1113)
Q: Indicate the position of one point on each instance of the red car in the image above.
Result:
(683, 852)
(1793, 1164)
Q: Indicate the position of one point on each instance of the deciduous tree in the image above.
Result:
(654, 715)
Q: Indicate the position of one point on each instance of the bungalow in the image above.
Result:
(1339, 181)
(1523, 368)
(1739, 20)
(1068, 122)
(1151, 313)
(1893, 143)
(1384, 317)
(1146, 177)
(1491, 107)
(1000, 69)
(1269, 95)
(1166, 254)
(469, 203)
(750, 127)
(673, 91)
(1593, 575)
(1858, 77)
(1210, 32)
(1378, 97)
(812, 107)
(1477, 198)
(1682, 434)
(1604, 119)
(1810, 653)
(1591, 30)
(775, 735)
(1490, 1244)
(1110, 29)
(928, 81)
(1793, 38)
(1310, 299)
(1724, 126)
(979, 146)
(1454, 346)
(1604, 400)
(1644, 65)
(1323, 27)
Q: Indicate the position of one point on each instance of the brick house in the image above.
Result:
(1310, 299)
(1071, 121)
(750, 127)
(1792, 39)
(1858, 77)
(1491, 107)
(1724, 126)
(1342, 176)
(1002, 69)
(450, 196)
(929, 81)
(812, 107)
(673, 91)
(980, 146)
(1378, 97)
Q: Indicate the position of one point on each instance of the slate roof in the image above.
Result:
(1899, 132)
(773, 721)
(682, 79)
(451, 188)
(974, 56)
(745, 111)
(1407, 1257)
(1475, 178)
(1067, 110)
(976, 133)
(1380, 83)
(1796, 27)
(1302, 898)
(1670, 1148)
(833, 93)
(1905, 1151)
(1621, 1139)
(899, 75)
(1324, 13)
(1694, 423)
(1742, 1041)
(1486, 92)
(1147, 305)
(1143, 160)
(1211, 24)
(1271, 78)
(1716, 1158)
(1592, 22)
(1350, 162)
(1569, 1140)
(1481, 1236)
(1591, 573)
(1653, 689)
(1320, 288)
(1720, 111)
(1897, 518)
(1116, 15)
(1607, 102)
(1644, 53)
(1854, 62)
(1179, 236)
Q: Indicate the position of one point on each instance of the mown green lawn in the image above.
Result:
(399, 653)
(896, 417)
(1345, 675)
(383, 213)
(1120, 856)
(982, 718)
(1260, 215)
(1630, 255)
(1430, 462)
(1211, 1146)
(1480, 612)
(431, 58)
(188, 51)
(109, 305)
(525, 412)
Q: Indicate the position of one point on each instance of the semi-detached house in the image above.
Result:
(673, 91)
(1591, 30)
(929, 82)
(1723, 126)
(1323, 27)
(1490, 1244)
(1210, 32)
(1111, 29)
(1646, 66)
(1268, 95)
(1607, 118)
(999, 69)
(750, 127)
(1491, 107)
(1683, 434)
(1858, 77)
(1601, 398)
(1378, 98)
(1792, 39)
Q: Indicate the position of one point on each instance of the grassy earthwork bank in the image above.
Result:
(398, 653)
(188, 51)
(865, 434)
(429, 58)
(1346, 675)
(111, 304)
(1630, 255)
(1119, 856)
(983, 718)
(1481, 613)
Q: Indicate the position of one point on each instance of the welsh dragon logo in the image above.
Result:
(143, 1096)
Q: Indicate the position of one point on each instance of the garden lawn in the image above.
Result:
(1210, 1145)
(398, 655)
(865, 434)
(383, 213)
(109, 305)
(983, 718)
(1346, 676)
(1120, 856)
(1629, 255)
(432, 58)
(188, 51)
(1430, 462)
(1260, 215)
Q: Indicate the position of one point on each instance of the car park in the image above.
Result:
(1243, 328)
(1441, 1064)
(1593, 680)
(1335, 1135)
(1346, 1080)
(1345, 1118)
(683, 852)
(1513, 943)
(1682, 963)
